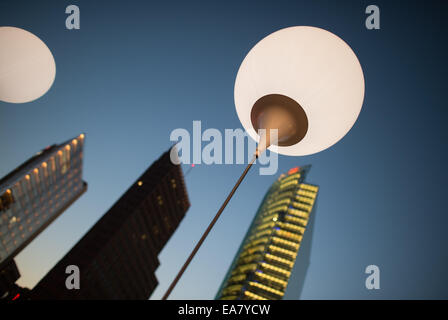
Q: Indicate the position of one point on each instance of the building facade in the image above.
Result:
(36, 193)
(264, 262)
(117, 257)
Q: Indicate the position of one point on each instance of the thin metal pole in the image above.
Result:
(198, 245)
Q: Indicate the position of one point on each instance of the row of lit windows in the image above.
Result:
(260, 234)
(310, 201)
(292, 227)
(232, 289)
(294, 217)
(308, 187)
(16, 220)
(24, 227)
(266, 288)
(64, 155)
(276, 269)
(232, 297)
(298, 213)
(265, 225)
(25, 198)
(264, 215)
(252, 250)
(282, 250)
(303, 206)
(280, 196)
(291, 177)
(276, 196)
(271, 278)
(61, 194)
(237, 278)
(256, 241)
(300, 221)
(63, 161)
(250, 258)
(245, 268)
(253, 296)
(278, 259)
(272, 217)
(277, 209)
(289, 184)
(309, 194)
(285, 242)
(289, 235)
(284, 201)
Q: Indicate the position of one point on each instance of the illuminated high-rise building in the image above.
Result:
(117, 258)
(36, 193)
(264, 262)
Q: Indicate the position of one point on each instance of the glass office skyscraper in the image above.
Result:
(263, 264)
(37, 192)
(118, 256)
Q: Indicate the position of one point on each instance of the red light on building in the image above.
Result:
(16, 297)
(293, 170)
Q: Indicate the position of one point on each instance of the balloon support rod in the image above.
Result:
(258, 152)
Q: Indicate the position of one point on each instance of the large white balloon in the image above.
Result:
(27, 67)
(315, 68)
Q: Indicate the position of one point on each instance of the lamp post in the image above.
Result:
(306, 83)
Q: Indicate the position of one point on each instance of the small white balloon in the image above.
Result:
(315, 68)
(27, 67)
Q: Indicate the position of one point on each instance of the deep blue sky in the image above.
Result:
(136, 70)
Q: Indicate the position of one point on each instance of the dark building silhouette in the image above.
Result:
(117, 258)
(269, 254)
(8, 276)
(36, 193)
(9, 291)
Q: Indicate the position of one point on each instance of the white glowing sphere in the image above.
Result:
(315, 68)
(27, 67)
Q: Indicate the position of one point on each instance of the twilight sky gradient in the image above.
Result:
(136, 70)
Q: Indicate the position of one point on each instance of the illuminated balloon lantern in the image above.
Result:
(27, 67)
(309, 76)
